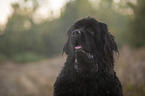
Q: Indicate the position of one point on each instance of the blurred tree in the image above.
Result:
(116, 21)
(15, 26)
(19, 23)
(137, 24)
(23, 34)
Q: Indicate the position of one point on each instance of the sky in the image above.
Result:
(5, 8)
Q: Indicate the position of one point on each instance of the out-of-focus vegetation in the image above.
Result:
(130, 68)
(28, 37)
(137, 24)
(25, 32)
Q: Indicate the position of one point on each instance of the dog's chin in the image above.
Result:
(84, 61)
(82, 56)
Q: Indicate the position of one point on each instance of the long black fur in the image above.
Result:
(89, 76)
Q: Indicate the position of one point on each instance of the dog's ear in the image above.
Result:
(66, 47)
(109, 42)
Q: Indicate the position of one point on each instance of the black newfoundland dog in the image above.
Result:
(89, 69)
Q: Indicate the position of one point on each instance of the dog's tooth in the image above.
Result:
(76, 61)
(92, 56)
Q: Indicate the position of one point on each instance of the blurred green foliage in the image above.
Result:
(23, 34)
(3, 57)
(133, 90)
(137, 24)
(27, 57)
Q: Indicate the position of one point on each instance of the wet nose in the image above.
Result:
(76, 33)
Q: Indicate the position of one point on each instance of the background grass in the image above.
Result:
(27, 57)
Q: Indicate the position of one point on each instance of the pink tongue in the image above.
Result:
(78, 47)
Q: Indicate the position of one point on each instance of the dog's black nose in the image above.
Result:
(76, 33)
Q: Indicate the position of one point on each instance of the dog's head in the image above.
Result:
(89, 43)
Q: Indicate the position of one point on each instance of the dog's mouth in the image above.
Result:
(84, 60)
(79, 49)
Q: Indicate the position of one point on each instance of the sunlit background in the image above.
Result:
(33, 32)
